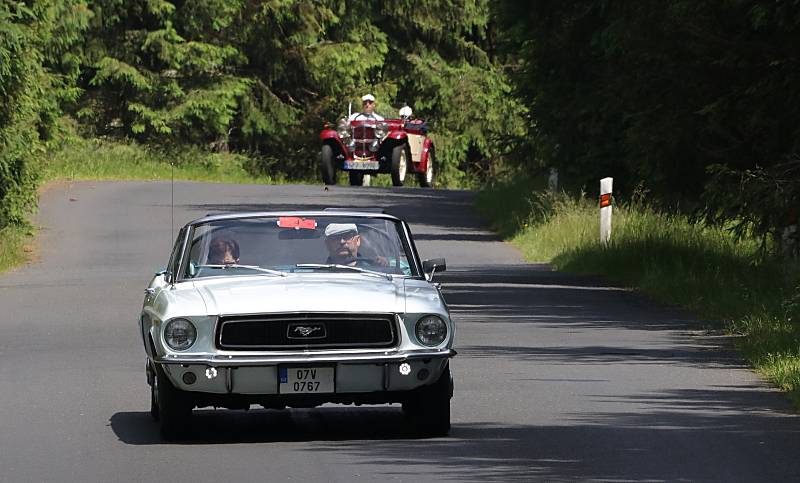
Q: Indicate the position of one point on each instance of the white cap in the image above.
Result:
(368, 97)
(338, 228)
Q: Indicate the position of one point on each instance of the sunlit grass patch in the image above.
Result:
(14, 246)
(729, 282)
(98, 159)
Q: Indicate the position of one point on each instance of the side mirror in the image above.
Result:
(432, 266)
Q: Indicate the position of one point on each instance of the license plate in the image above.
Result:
(361, 164)
(305, 380)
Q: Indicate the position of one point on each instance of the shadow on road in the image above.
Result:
(653, 444)
(272, 426)
(450, 210)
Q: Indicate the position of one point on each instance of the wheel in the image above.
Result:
(426, 179)
(400, 159)
(173, 406)
(356, 179)
(429, 408)
(151, 379)
(327, 166)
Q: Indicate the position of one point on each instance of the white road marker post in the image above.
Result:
(606, 185)
(552, 180)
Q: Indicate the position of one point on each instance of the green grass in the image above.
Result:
(14, 246)
(97, 159)
(674, 260)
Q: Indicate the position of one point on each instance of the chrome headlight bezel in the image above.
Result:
(343, 129)
(431, 330)
(180, 334)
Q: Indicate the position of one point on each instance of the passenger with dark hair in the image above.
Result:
(223, 251)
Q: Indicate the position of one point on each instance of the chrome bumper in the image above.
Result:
(306, 358)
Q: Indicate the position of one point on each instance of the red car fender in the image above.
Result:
(427, 147)
(398, 135)
(330, 134)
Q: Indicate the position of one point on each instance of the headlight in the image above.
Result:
(342, 129)
(179, 334)
(431, 330)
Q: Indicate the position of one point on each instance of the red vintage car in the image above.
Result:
(365, 146)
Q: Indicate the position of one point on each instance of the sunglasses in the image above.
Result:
(348, 235)
(369, 102)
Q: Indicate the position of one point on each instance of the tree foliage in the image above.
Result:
(37, 75)
(658, 92)
(262, 77)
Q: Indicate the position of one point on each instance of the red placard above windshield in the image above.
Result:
(297, 223)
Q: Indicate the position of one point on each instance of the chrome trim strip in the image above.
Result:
(267, 360)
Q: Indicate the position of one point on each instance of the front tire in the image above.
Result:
(429, 408)
(400, 157)
(427, 178)
(174, 408)
(327, 165)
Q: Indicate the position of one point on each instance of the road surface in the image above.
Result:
(558, 378)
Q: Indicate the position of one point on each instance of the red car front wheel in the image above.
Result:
(327, 166)
(400, 157)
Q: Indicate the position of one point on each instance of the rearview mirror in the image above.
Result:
(432, 266)
(292, 234)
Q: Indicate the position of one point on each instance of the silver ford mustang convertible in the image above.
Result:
(297, 309)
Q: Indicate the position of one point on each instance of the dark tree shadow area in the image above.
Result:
(680, 436)
(451, 211)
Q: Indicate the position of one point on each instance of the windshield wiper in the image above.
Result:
(388, 276)
(250, 267)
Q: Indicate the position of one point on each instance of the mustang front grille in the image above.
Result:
(306, 330)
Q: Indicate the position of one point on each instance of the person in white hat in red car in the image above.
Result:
(367, 110)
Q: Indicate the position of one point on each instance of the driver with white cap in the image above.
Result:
(367, 110)
(342, 241)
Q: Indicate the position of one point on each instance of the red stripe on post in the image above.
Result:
(605, 200)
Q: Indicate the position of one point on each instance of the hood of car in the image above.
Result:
(317, 292)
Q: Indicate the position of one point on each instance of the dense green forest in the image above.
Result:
(696, 102)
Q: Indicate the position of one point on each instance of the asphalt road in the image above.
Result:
(558, 378)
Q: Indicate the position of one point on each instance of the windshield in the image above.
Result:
(276, 246)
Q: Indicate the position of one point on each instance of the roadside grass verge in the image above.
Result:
(672, 259)
(98, 159)
(14, 241)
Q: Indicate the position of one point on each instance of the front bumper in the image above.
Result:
(354, 372)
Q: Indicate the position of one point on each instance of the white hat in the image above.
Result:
(339, 228)
(367, 97)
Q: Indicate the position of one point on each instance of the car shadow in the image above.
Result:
(222, 426)
(668, 440)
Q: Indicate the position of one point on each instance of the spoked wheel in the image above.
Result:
(400, 159)
(426, 179)
(327, 166)
(172, 407)
(429, 408)
(356, 179)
